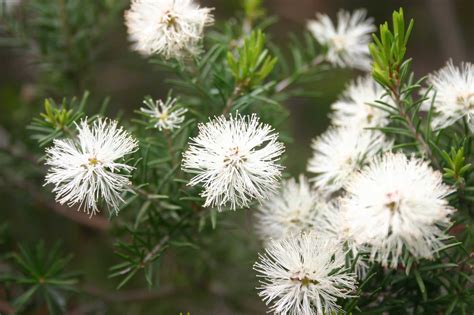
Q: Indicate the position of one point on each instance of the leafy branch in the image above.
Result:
(392, 71)
(250, 65)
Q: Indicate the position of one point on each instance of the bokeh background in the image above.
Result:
(218, 279)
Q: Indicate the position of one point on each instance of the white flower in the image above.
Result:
(9, 5)
(454, 88)
(353, 108)
(341, 151)
(304, 275)
(164, 115)
(235, 160)
(333, 223)
(292, 210)
(397, 202)
(172, 28)
(347, 42)
(88, 167)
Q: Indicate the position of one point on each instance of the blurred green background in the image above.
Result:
(218, 279)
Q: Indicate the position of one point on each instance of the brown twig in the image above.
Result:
(149, 255)
(97, 222)
(231, 99)
(18, 151)
(152, 253)
(156, 249)
(411, 126)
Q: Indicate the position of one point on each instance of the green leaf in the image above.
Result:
(452, 306)
(127, 278)
(251, 63)
(25, 298)
(438, 266)
(421, 285)
(388, 51)
(213, 214)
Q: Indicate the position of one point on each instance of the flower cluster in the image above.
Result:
(164, 115)
(85, 168)
(340, 152)
(171, 28)
(391, 205)
(350, 143)
(357, 106)
(369, 204)
(452, 95)
(235, 160)
(347, 42)
(398, 202)
(334, 224)
(362, 205)
(304, 275)
(294, 209)
(9, 5)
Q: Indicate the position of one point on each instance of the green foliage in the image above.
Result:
(252, 63)
(140, 253)
(424, 287)
(42, 276)
(58, 120)
(393, 72)
(456, 168)
(66, 37)
(419, 285)
(389, 49)
(208, 85)
(302, 66)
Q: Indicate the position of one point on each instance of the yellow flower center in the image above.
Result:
(305, 280)
(393, 203)
(164, 116)
(339, 43)
(466, 100)
(234, 157)
(168, 18)
(93, 161)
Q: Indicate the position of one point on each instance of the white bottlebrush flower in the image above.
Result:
(171, 28)
(9, 5)
(304, 274)
(454, 88)
(88, 167)
(347, 42)
(164, 115)
(333, 223)
(292, 210)
(354, 108)
(398, 202)
(235, 160)
(341, 151)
